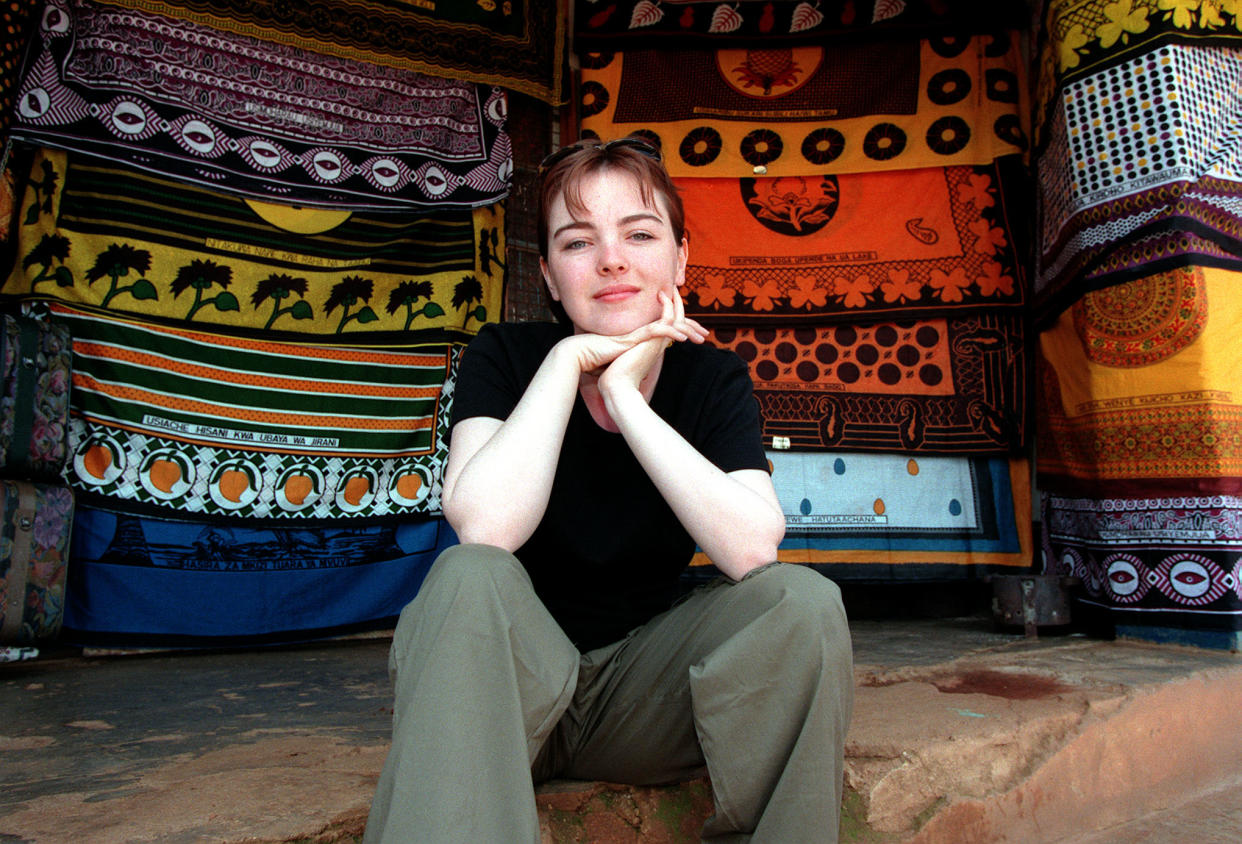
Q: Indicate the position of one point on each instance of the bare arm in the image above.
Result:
(734, 517)
(499, 473)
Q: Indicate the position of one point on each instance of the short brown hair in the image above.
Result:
(563, 172)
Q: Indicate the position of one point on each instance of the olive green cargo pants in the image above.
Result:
(753, 680)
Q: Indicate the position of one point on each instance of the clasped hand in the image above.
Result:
(625, 360)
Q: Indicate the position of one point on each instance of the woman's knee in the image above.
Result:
(470, 566)
(801, 597)
(464, 576)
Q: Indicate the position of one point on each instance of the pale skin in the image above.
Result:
(615, 268)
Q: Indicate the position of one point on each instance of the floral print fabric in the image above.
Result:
(35, 537)
(45, 410)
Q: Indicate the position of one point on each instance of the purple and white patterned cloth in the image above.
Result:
(261, 119)
(1165, 561)
(1141, 172)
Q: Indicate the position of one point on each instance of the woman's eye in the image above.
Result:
(642, 236)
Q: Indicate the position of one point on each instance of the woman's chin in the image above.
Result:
(614, 324)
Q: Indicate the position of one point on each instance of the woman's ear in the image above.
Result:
(683, 255)
(547, 279)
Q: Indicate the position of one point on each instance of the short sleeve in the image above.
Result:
(498, 366)
(731, 434)
(485, 380)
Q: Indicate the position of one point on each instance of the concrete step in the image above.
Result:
(961, 734)
(1039, 743)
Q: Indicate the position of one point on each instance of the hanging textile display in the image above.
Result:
(902, 244)
(902, 517)
(18, 19)
(180, 421)
(1141, 153)
(1139, 389)
(679, 22)
(948, 386)
(1078, 38)
(794, 111)
(1165, 562)
(234, 113)
(141, 581)
(113, 237)
(516, 44)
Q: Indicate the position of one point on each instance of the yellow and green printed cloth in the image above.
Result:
(805, 110)
(186, 422)
(116, 238)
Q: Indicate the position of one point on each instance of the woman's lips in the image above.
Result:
(616, 293)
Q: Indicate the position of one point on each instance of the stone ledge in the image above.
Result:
(573, 812)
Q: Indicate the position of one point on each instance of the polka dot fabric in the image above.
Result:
(919, 386)
(1142, 173)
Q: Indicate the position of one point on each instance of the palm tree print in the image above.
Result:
(44, 189)
(489, 241)
(406, 294)
(278, 287)
(49, 249)
(469, 290)
(348, 292)
(118, 261)
(202, 275)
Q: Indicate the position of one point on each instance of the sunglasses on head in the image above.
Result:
(636, 144)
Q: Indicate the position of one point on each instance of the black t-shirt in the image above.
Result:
(609, 552)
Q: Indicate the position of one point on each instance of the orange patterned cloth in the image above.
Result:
(1140, 390)
(817, 250)
(948, 386)
(797, 111)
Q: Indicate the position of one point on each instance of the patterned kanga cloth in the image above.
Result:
(110, 236)
(1138, 389)
(140, 581)
(35, 523)
(901, 517)
(19, 18)
(947, 386)
(632, 23)
(516, 44)
(1080, 38)
(826, 249)
(275, 122)
(807, 110)
(178, 421)
(1149, 147)
(1158, 561)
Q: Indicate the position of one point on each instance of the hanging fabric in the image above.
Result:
(270, 121)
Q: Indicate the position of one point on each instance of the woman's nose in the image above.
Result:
(611, 258)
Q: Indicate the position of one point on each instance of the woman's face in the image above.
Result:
(607, 265)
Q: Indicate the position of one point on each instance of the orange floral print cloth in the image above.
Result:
(918, 243)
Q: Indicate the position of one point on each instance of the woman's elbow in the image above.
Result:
(476, 529)
(744, 556)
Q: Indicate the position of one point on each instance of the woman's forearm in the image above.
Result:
(735, 518)
(499, 475)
